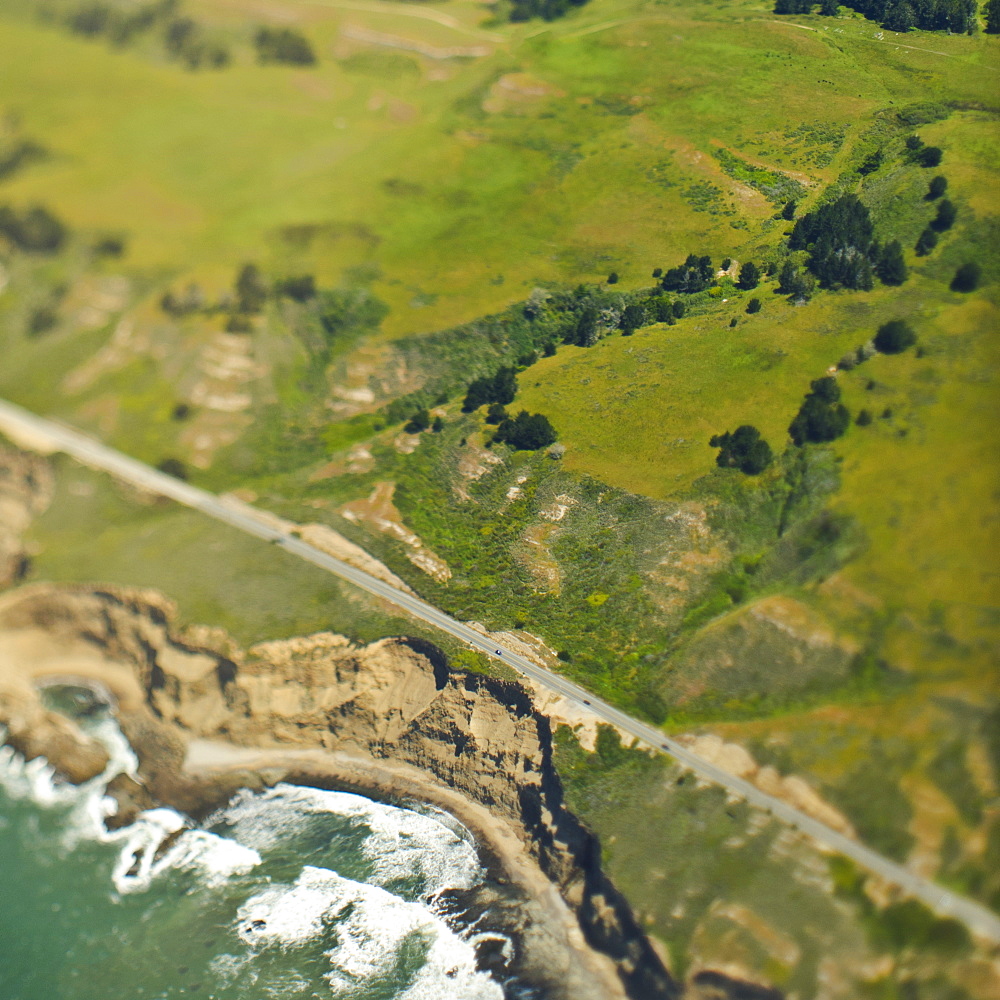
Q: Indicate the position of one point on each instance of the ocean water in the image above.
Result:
(293, 892)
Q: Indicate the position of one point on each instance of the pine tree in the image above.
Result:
(749, 277)
(992, 10)
(891, 266)
(926, 242)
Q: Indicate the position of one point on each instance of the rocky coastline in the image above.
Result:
(390, 720)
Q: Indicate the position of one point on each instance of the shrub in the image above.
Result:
(239, 323)
(753, 306)
(251, 292)
(37, 230)
(788, 212)
(894, 337)
(864, 418)
(501, 388)
(657, 272)
(733, 322)
(438, 425)
(613, 278)
(283, 45)
(41, 321)
(420, 421)
(173, 467)
(679, 309)
(967, 278)
(110, 246)
(300, 288)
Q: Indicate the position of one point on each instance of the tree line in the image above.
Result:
(953, 16)
(183, 38)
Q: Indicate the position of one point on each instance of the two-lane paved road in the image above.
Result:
(39, 433)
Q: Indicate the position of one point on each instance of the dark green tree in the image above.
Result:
(251, 292)
(418, 422)
(992, 10)
(871, 163)
(926, 242)
(679, 309)
(864, 418)
(894, 337)
(743, 449)
(613, 278)
(633, 318)
(891, 267)
(967, 278)
(283, 45)
(173, 467)
(749, 276)
(300, 288)
(37, 230)
(788, 212)
(438, 425)
(937, 187)
(945, 218)
(526, 431)
(586, 331)
(496, 413)
(930, 156)
(753, 306)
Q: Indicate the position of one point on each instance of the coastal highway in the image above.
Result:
(40, 434)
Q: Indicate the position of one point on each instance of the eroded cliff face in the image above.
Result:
(394, 700)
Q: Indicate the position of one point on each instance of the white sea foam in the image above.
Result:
(371, 926)
(214, 858)
(400, 843)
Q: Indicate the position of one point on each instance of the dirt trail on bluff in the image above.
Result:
(390, 719)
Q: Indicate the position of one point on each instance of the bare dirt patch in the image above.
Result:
(379, 513)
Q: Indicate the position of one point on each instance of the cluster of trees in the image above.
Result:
(526, 431)
(694, 275)
(183, 38)
(743, 449)
(822, 417)
(843, 252)
(499, 388)
(283, 45)
(35, 229)
(547, 10)
(956, 16)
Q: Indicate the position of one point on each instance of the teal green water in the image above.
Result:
(295, 892)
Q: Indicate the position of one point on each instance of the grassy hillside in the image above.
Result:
(836, 614)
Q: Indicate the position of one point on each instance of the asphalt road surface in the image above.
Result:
(38, 433)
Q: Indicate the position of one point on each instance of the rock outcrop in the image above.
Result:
(395, 700)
